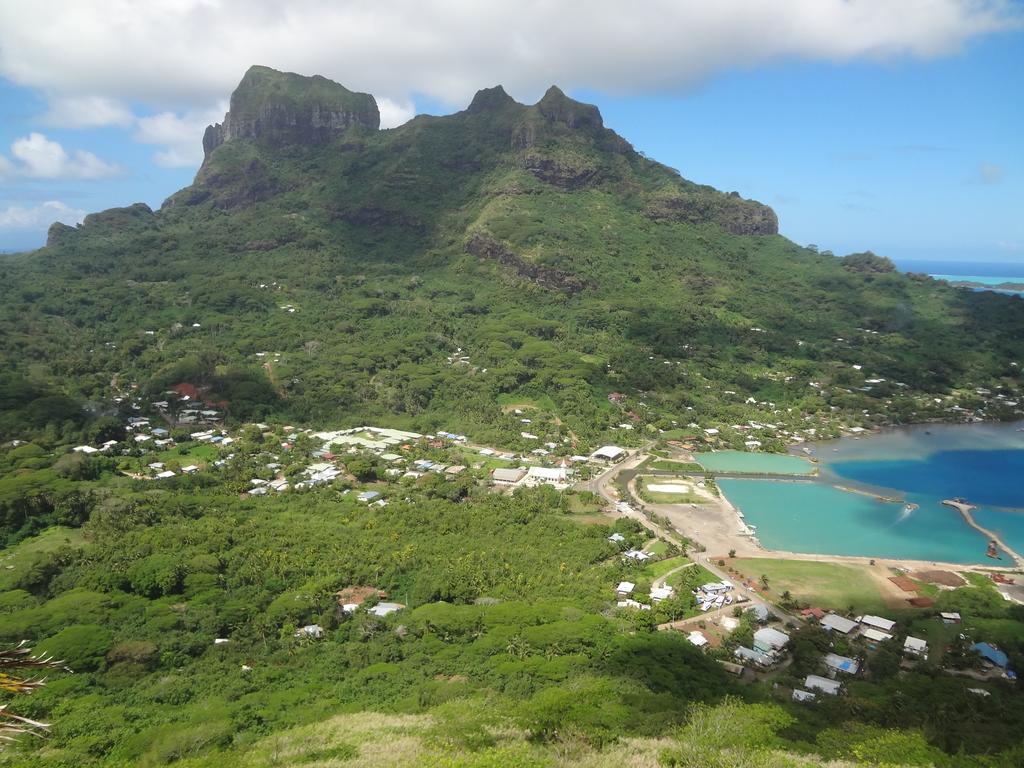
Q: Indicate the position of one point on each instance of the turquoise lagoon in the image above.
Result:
(983, 463)
(758, 463)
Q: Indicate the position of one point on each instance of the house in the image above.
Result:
(768, 640)
(662, 593)
(836, 623)
(86, 449)
(165, 474)
(813, 613)
(875, 635)
(914, 646)
(837, 663)
(638, 555)
(877, 622)
(803, 696)
(716, 587)
(630, 603)
(991, 654)
(823, 684)
(502, 476)
(749, 654)
(735, 669)
(697, 638)
(617, 538)
(950, 618)
(190, 469)
(313, 631)
(280, 484)
(609, 453)
(368, 496)
(625, 588)
(384, 609)
(760, 611)
(455, 469)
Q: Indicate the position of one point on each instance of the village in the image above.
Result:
(181, 437)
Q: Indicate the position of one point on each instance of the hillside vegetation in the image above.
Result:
(563, 265)
(506, 268)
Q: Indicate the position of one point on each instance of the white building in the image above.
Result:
(838, 623)
(608, 453)
(662, 593)
(915, 646)
(697, 638)
(823, 684)
(877, 622)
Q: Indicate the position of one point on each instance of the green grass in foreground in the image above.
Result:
(825, 585)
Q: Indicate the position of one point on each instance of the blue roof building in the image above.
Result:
(993, 654)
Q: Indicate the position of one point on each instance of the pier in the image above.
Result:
(965, 510)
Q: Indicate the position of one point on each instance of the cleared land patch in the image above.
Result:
(824, 585)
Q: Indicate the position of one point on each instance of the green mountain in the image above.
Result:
(446, 274)
(422, 276)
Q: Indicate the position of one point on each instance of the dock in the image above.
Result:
(965, 509)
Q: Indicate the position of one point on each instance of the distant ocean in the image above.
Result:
(984, 272)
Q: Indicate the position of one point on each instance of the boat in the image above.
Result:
(993, 550)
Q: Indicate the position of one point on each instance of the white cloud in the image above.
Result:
(87, 112)
(395, 113)
(41, 158)
(180, 135)
(39, 217)
(190, 53)
(990, 173)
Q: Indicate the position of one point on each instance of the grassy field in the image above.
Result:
(671, 465)
(15, 559)
(825, 585)
(694, 575)
(656, 570)
(656, 497)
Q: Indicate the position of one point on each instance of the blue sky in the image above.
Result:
(904, 142)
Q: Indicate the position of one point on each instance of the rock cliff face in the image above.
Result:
(731, 212)
(280, 108)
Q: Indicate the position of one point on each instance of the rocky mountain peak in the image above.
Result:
(489, 100)
(556, 107)
(281, 108)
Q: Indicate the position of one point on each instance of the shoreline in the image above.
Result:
(725, 508)
(757, 549)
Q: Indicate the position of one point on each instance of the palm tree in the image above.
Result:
(20, 658)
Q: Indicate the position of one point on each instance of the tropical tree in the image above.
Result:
(14, 660)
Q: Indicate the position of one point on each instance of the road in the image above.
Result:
(602, 486)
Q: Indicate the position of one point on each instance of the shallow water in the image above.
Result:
(983, 463)
(819, 518)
